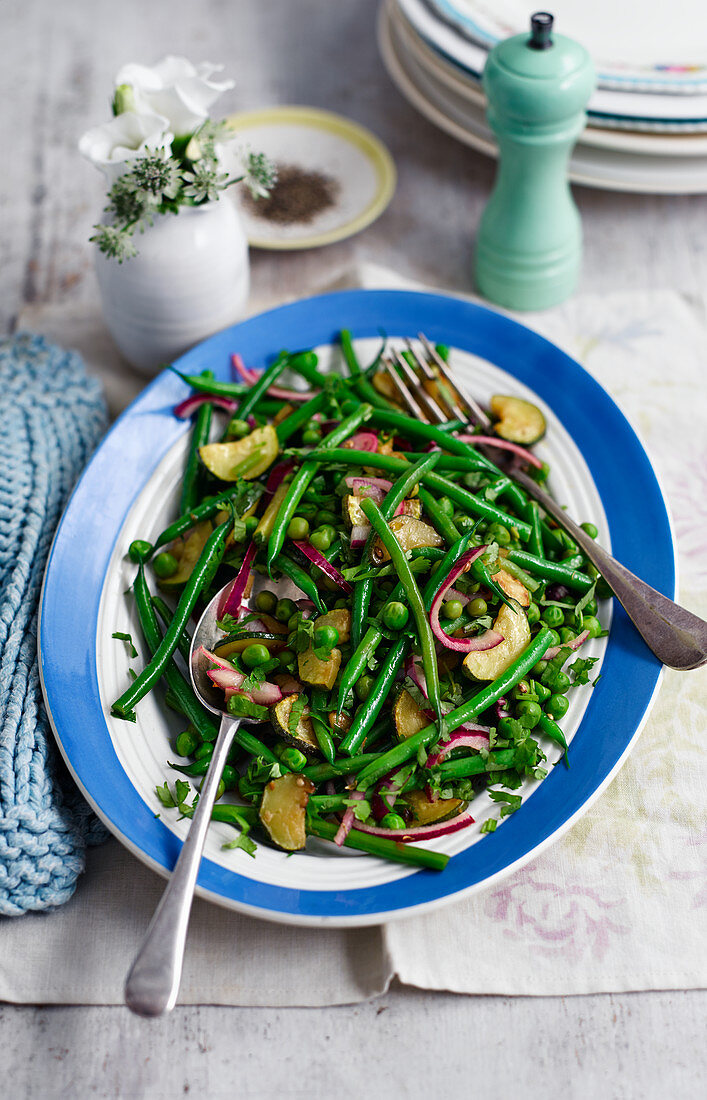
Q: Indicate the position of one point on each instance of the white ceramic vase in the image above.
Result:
(191, 278)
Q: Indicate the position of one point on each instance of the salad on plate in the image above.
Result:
(402, 620)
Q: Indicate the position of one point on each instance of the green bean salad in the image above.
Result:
(429, 645)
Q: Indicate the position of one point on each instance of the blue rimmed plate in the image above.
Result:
(129, 489)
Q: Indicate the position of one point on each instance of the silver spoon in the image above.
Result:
(153, 982)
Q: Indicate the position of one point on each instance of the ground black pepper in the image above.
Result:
(298, 196)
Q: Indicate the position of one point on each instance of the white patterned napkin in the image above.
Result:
(618, 904)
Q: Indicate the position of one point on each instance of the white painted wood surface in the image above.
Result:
(57, 62)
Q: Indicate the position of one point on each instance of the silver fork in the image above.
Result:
(676, 636)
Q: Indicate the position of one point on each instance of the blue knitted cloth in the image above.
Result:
(51, 418)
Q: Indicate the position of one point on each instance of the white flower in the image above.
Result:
(175, 88)
(125, 137)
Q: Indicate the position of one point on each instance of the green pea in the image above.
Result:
(505, 727)
(293, 758)
(500, 534)
(363, 687)
(592, 624)
(349, 405)
(286, 657)
(165, 564)
(553, 616)
(204, 751)
(294, 621)
(477, 607)
(187, 743)
(298, 528)
(340, 604)
(529, 713)
(554, 638)
(237, 429)
(251, 524)
(453, 609)
(325, 637)
(393, 821)
(320, 540)
(255, 655)
(139, 551)
(567, 634)
(395, 615)
(590, 529)
(266, 601)
(539, 668)
(560, 683)
(464, 522)
(230, 777)
(284, 610)
(326, 518)
(590, 608)
(533, 614)
(311, 437)
(445, 505)
(312, 425)
(556, 706)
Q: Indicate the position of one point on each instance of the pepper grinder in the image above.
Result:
(529, 245)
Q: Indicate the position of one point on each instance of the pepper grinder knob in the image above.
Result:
(529, 244)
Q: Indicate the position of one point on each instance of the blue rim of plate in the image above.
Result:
(641, 537)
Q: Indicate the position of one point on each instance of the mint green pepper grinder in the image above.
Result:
(529, 245)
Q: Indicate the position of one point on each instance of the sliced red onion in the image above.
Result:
(503, 445)
(466, 737)
(488, 639)
(419, 832)
(359, 534)
(384, 797)
(220, 662)
(363, 441)
(413, 669)
(226, 678)
(233, 596)
(282, 393)
(501, 711)
(265, 694)
(430, 794)
(305, 606)
(247, 374)
(359, 484)
(277, 475)
(288, 684)
(455, 594)
(326, 567)
(188, 407)
(347, 820)
(574, 644)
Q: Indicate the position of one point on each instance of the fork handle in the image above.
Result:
(153, 982)
(677, 637)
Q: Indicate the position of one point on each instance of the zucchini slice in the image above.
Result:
(283, 810)
(407, 716)
(513, 588)
(487, 664)
(313, 670)
(425, 812)
(303, 738)
(518, 420)
(248, 457)
(186, 550)
(236, 643)
(410, 533)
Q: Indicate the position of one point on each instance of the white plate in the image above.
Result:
(470, 88)
(634, 45)
(606, 107)
(592, 167)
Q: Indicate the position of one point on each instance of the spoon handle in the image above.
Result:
(153, 982)
(677, 637)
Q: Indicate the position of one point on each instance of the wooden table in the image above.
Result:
(54, 83)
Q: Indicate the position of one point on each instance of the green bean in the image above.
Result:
(521, 575)
(349, 354)
(422, 623)
(200, 579)
(182, 691)
(368, 712)
(299, 417)
(213, 386)
(320, 773)
(207, 510)
(192, 472)
(363, 590)
(165, 614)
(535, 542)
(467, 712)
(357, 663)
(328, 803)
(324, 738)
(442, 523)
(380, 846)
(551, 570)
(260, 388)
(450, 558)
(303, 477)
(406, 426)
(476, 765)
(302, 579)
(256, 747)
(551, 730)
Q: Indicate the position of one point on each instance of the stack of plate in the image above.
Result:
(647, 119)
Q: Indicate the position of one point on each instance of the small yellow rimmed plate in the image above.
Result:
(352, 169)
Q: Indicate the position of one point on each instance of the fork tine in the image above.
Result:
(455, 409)
(433, 410)
(474, 410)
(405, 394)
